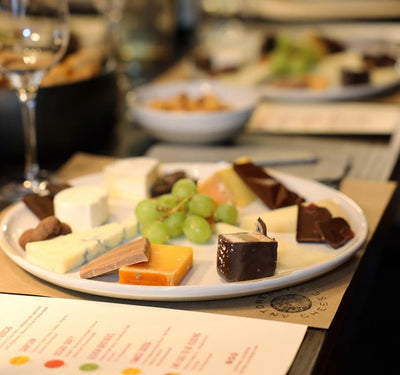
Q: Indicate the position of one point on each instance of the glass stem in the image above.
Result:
(32, 170)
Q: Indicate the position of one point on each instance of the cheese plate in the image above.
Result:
(301, 261)
(361, 47)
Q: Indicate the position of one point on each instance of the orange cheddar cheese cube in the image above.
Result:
(167, 266)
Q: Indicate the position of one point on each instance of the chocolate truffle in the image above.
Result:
(246, 256)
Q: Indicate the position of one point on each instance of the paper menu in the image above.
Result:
(325, 118)
(79, 337)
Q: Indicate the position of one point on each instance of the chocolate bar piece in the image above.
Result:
(272, 192)
(246, 256)
(130, 253)
(335, 231)
(307, 217)
(354, 77)
(41, 206)
(54, 188)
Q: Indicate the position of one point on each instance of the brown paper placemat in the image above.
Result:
(313, 303)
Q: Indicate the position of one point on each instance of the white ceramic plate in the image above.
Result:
(336, 93)
(202, 281)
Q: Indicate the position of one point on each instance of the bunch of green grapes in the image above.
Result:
(184, 211)
(293, 58)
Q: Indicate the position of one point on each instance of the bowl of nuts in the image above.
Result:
(192, 112)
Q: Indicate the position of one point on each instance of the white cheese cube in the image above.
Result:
(131, 178)
(82, 207)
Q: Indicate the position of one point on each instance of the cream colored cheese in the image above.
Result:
(82, 207)
(131, 178)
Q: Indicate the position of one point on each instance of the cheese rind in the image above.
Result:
(82, 207)
(131, 178)
(167, 266)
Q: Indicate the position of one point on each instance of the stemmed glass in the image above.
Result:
(33, 37)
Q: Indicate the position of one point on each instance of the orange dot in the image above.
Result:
(54, 363)
(131, 371)
(19, 360)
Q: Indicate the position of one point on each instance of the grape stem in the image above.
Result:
(178, 207)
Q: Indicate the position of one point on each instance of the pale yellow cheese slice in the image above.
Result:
(284, 220)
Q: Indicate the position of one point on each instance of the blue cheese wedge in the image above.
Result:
(82, 207)
(131, 178)
(64, 253)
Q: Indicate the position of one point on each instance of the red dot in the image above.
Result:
(54, 363)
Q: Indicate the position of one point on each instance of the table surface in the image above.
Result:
(332, 351)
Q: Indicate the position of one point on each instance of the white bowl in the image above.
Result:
(195, 127)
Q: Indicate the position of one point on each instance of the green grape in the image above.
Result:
(226, 213)
(175, 222)
(298, 65)
(183, 188)
(196, 229)
(166, 202)
(284, 44)
(280, 62)
(156, 232)
(202, 205)
(310, 54)
(146, 211)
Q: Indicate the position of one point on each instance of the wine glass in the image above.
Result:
(33, 37)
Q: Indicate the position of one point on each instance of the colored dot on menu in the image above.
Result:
(131, 371)
(54, 363)
(89, 367)
(19, 360)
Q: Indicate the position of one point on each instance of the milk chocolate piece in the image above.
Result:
(272, 192)
(307, 218)
(336, 231)
(130, 253)
(246, 256)
(41, 206)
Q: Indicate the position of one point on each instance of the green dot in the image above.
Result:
(89, 367)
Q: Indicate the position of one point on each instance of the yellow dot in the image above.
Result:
(19, 360)
(131, 371)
